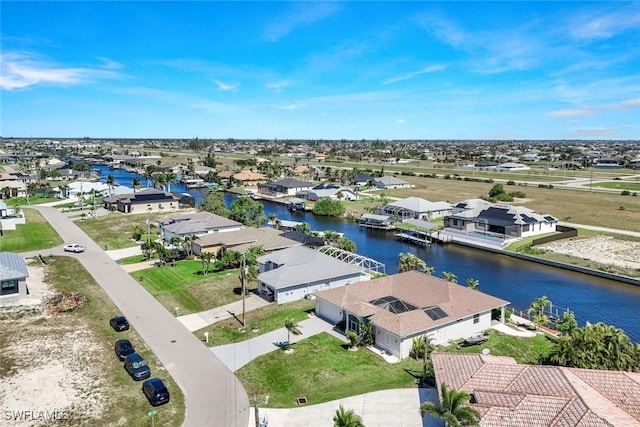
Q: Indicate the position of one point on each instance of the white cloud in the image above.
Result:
(277, 86)
(578, 112)
(598, 24)
(20, 70)
(225, 87)
(407, 76)
(302, 14)
(629, 103)
(292, 106)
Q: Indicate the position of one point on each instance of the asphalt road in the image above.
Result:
(213, 395)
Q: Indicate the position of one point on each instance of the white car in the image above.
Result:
(74, 247)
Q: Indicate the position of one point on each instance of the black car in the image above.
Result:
(156, 391)
(123, 348)
(136, 366)
(119, 323)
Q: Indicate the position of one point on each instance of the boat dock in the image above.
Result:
(416, 237)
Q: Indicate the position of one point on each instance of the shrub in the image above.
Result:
(518, 194)
(625, 193)
(511, 182)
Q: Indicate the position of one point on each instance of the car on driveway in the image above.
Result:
(119, 323)
(156, 391)
(123, 348)
(74, 247)
(137, 367)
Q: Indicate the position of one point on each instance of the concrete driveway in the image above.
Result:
(214, 397)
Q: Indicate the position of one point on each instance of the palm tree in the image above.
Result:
(473, 283)
(111, 180)
(451, 277)
(273, 220)
(346, 418)
(161, 181)
(408, 262)
(206, 258)
(136, 184)
(292, 328)
(170, 178)
(454, 408)
(537, 309)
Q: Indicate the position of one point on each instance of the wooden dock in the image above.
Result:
(416, 237)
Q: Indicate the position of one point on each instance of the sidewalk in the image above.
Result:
(196, 321)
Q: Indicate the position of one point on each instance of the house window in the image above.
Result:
(455, 222)
(476, 318)
(8, 287)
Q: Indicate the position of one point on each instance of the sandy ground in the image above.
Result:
(48, 365)
(605, 250)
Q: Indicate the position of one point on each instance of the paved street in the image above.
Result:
(213, 395)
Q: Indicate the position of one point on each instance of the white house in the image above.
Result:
(294, 273)
(284, 187)
(415, 207)
(342, 193)
(510, 166)
(390, 182)
(408, 305)
(196, 224)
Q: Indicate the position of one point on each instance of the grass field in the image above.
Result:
(185, 287)
(124, 403)
(618, 185)
(36, 234)
(265, 319)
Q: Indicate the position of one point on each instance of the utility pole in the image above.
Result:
(255, 409)
(243, 283)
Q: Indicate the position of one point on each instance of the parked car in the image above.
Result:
(156, 391)
(123, 348)
(137, 367)
(73, 247)
(119, 323)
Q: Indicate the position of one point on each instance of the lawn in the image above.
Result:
(36, 234)
(262, 320)
(124, 402)
(618, 185)
(322, 369)
(529, 351)
(114, 231)
(185, 287)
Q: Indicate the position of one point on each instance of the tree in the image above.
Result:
(346, 418)
(206, 258)
(136, 184)
(454, 408)
(292, 328)
(111, 181)
(567, 323)
(170, 178)
(366, 332)
(214, 203)
(328, 207)
(537, 308)
(451, 277)
(352, 336)
(496, 190)
(597, 346)
(473, 283)
(408, 262)
(248, 211)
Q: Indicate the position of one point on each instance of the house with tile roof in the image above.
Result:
(196, 224)
(408, 305)
(500, 220)
(241, 240)
(509, 394)
(13, 277)
(292, 274)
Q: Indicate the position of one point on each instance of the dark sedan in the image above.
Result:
(119, 323)
(123, 348)
(156, 391)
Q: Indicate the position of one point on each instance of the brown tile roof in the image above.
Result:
(508, 394)
(418, 289)
(249, 176)
(269, 238)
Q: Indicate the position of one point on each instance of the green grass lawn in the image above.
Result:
(322, 369)
(523, 350)
(618, 185)
(184, 286)
(126, 403)
(36, 234)
(24, 202)
(265, 319)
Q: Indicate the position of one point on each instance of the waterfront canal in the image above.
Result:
(591, 298)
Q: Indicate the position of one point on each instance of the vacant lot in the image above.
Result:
(35, 234)
(65, 361)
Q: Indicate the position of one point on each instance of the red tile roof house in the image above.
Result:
(407, 305)
(508, 394)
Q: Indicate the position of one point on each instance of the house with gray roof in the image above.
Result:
(292, 274)
(143, 201)
(390, 182)
(284, 187)
(196, 224)
(506, 393)
(13, 277)
(408, 305)
(241, 240)
(416, 208)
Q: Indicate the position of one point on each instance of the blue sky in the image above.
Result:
(331, 70)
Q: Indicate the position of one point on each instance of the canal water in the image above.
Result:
(520, 282)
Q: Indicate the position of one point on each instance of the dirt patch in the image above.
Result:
(605, 250)
(50, 364)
